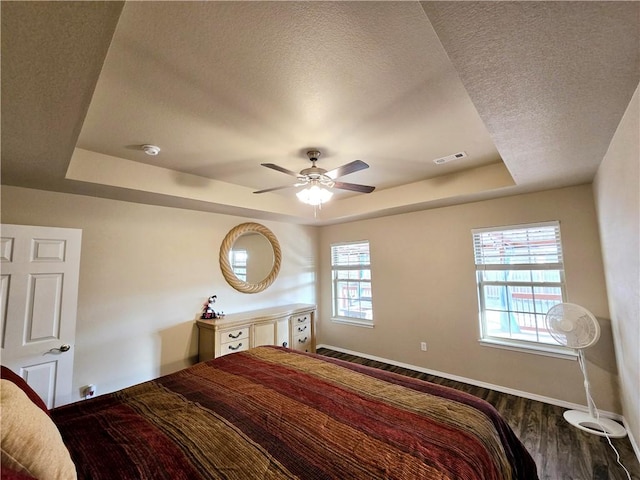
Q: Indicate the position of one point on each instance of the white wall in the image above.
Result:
(424, 289)
(617, 196)
(145, 273)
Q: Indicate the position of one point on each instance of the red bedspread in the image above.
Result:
(271, 413)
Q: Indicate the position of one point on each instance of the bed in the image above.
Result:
(275, 413)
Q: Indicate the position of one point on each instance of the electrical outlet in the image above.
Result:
(423, 346)
(89, 391)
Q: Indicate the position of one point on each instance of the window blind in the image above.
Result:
(533, 244)
(350, 254)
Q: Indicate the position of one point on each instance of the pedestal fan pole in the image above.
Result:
(587, 385)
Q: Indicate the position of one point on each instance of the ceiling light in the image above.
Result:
(152, 150)
(314, 195)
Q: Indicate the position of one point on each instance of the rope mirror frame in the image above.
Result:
(225, 265)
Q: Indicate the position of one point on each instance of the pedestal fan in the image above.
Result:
(574, 326)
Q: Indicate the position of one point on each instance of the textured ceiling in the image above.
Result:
(531, 91)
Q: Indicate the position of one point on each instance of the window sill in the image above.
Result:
(353, 321)
(548, 351)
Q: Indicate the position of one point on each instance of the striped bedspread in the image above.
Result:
(273, 413)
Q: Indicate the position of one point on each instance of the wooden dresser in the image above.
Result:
(290, 326)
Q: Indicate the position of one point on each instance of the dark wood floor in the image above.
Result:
(562, 452)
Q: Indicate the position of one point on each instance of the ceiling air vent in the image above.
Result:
(450, 158)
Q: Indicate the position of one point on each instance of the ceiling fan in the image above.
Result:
(319, 177)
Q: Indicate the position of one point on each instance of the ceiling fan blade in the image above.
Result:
(346, 169)
(354, 187)
(274, 188)
(273, 166)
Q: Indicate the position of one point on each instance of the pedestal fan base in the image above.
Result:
(603, 427)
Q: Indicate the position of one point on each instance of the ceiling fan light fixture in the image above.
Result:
(314, 195)
(318, 182)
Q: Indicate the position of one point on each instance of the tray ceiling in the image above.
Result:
(532, 92)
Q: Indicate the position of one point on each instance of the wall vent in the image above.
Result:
(450, 158)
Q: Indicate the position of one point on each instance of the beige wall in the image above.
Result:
(145, 273)
(424, 290)
(617, 196)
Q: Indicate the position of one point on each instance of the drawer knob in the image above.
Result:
(231, 335)
(231, 347)
(302, 329)
(284, 344)
(302, 340)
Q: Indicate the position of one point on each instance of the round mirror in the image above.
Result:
(250, 257)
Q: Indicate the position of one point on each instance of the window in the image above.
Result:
(238, 260)
(520, 276)
(351, 284)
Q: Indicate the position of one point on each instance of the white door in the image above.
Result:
(40, 268)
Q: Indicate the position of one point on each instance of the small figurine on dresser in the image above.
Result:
(208, 311)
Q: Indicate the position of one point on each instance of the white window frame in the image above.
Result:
(238, 258)
(489, 259)
(341, 269)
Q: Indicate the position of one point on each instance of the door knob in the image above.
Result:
(65, 347)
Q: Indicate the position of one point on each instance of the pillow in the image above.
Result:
(7, 374)
(31, 442)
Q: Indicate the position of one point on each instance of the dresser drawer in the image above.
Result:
(234, 335)
(300, 320)
(301, 329)
(303, 342)
(235, 346)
